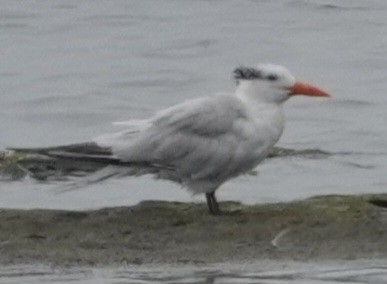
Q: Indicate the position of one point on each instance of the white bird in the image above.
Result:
(204, 142)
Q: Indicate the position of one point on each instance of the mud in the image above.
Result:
(328, 227)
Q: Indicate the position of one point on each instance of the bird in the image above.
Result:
(200, 143)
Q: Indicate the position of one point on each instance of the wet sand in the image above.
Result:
(328, 227)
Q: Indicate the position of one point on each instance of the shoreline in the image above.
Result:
(157, 232)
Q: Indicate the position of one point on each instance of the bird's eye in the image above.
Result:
(272, 77)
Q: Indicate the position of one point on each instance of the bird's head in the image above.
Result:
(272, 84)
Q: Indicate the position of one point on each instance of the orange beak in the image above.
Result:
(300, 88)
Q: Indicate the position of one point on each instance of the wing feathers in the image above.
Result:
(88, 148)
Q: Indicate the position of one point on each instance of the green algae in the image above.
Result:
(9, 165)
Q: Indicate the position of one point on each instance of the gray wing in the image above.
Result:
(88, 148)
(199, 138)
(203, 117)
(175, 131)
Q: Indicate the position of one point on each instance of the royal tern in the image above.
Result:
(200, 143)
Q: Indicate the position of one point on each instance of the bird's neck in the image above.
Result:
(268, 115)
(253, 96)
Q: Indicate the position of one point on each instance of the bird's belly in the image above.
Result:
(219, 159)
(228, 160)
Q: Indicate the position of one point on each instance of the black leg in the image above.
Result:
(209, 202)
(212, 204)
(215, 204)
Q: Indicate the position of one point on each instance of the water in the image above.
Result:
(69, 68)
(262, 273)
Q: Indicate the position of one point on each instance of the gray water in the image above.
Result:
(70, 68)
(353, 272)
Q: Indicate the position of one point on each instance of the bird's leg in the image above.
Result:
(215, 204)
(212, 204)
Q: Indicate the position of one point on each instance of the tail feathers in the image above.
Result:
(96, 177)
(44, 167)
(87, 160)
(103, 174)
(88, 148)
(61, 161)
(82, 152)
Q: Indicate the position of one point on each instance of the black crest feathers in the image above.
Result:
(247, 73)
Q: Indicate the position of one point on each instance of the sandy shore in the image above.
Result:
(330, 227)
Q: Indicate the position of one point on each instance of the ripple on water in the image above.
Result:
(318, 273)
(339, 7)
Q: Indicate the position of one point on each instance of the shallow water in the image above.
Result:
(263, 273)
(69, 69)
